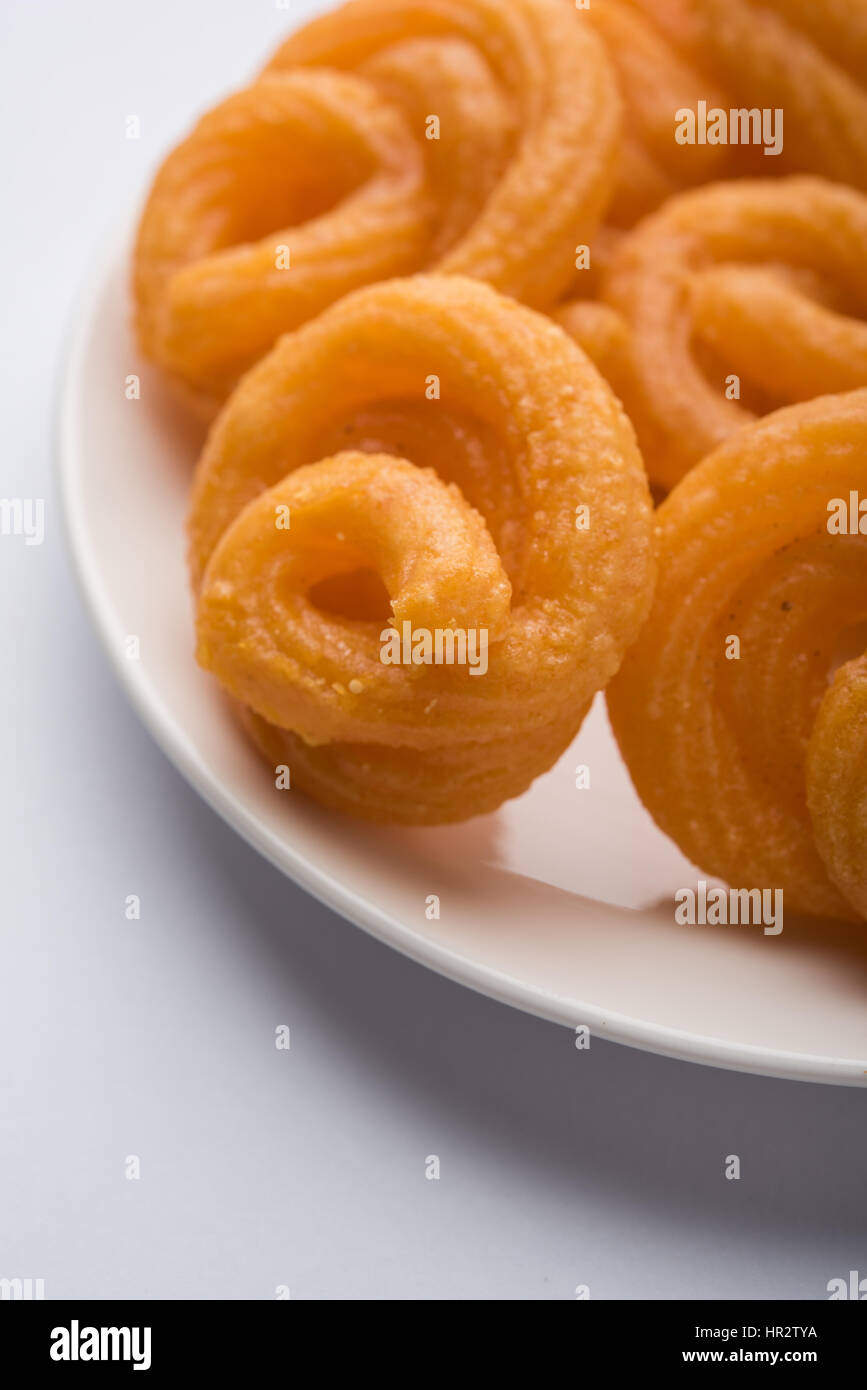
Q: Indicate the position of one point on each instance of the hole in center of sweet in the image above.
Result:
(359, 594)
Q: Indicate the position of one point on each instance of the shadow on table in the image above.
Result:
(638, 1126)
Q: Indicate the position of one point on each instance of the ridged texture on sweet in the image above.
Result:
(722, 750)
(764, 280)
(656, 80)
(546, 189)
(837, 781)
(465, 509)
(807, 58)
(450, 80)
(317, 162)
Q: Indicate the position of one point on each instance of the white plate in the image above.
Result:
(560, 904)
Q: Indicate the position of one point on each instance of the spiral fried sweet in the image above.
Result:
(384, 137)
(737, 744)
(438, 445)
(739, 298)
(284, 197)
(522, 208)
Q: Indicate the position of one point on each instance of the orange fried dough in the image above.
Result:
(602, 333)
(807, 59)
(837, 781)
(548, 186)
(421, 535)
(447, 461)
(655, 80)
(739, 297)
(384, 137)
(284, 197)
(736, 743)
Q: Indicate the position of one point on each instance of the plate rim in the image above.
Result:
(171, 738)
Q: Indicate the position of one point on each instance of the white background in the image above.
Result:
(156, 1038)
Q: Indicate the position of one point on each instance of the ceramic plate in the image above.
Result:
(562, 903)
